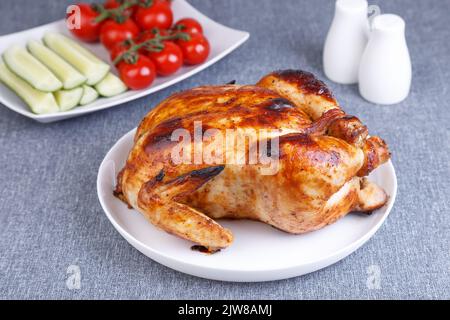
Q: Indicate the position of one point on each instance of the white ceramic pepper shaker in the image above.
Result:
(385, 69)
(345, 41)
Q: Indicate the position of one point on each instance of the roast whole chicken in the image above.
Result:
(323, 157)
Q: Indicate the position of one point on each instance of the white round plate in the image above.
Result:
(259, 252)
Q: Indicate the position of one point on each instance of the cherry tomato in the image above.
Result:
(195, 50)
(88, 30)
(169, 60)
(189, 25)
(158, 15)
(113, 4)
(139, 75)
(113, 32)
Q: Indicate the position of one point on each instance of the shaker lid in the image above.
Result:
(388, 22)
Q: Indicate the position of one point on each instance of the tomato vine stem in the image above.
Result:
(155, 44)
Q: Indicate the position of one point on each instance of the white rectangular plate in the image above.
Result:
(223, 40)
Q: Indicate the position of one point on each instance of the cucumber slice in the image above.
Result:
(110, 86)
(22, 63)
(67, 74)
(68, 99)
(89, 95)
(83, 60)
(38, 101)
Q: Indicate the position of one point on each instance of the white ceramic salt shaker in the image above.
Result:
(345, 41)
(385, 69)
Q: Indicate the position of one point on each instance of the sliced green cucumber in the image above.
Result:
(38, 101)
(67, 74)
(110, 86)
(89, 95)
(23, 64)
(83, 60)
(68, 99)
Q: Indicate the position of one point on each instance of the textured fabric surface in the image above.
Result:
(50, 217)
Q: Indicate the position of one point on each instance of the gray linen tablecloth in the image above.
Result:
(50, 217)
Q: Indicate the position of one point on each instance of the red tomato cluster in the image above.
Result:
(142, 39)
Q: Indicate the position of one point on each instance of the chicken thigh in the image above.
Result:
(322, 157)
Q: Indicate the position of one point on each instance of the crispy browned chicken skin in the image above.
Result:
(324, 155)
